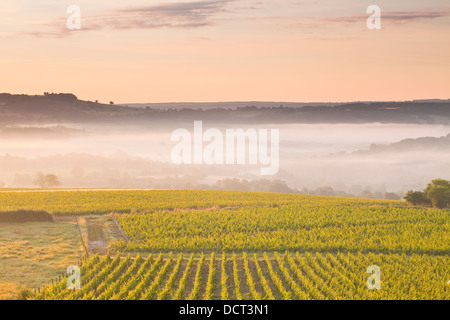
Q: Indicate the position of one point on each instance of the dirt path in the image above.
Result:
(96, 241)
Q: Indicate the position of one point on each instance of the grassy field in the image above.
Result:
(34, 253)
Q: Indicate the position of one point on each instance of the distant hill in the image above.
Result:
(55, 108)
(67, 108)
(419, 144)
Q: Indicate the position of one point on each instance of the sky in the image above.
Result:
(232, 50)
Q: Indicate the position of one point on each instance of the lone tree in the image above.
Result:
(47, 180)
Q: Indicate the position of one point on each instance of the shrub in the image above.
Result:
(24, 294)
(25, 216)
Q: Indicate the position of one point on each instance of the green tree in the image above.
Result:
(438, 191)
(417, 198)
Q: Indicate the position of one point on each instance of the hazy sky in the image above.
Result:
(280, 50)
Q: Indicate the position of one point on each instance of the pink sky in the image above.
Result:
(162, 51)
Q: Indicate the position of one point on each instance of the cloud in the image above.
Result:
(183, 15)
(200, 14)
(327, 25)
(402, 16)
(177, 15)
(393, 17)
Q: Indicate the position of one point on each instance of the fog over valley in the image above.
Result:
(354, 159)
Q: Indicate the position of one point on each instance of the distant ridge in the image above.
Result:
(227, 105)
(259, 104)
(67, 108)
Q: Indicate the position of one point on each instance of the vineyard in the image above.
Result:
(288, 276)
(88, 202)
(211, 245)
(319, 227)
